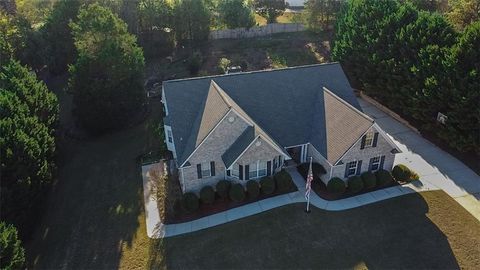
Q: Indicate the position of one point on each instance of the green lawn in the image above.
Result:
(95, 220)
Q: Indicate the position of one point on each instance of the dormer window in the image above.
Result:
(369, 139)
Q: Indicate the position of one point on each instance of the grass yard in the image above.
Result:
(287, 17)
(95, 220)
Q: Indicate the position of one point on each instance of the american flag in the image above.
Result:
(308, 186)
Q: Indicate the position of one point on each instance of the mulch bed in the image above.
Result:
(220, 205)
(321, 190)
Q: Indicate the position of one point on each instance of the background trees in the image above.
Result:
(411, 61)
(191, 21)
(59, 48)
(270, 9)
(463, 12)
(29, 113)
(106, 79)
(12, 254)
(236, 13)
(320, 13)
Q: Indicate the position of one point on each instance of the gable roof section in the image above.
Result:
(344, 125)
(240, 144)
(285, 103)
(214, 110)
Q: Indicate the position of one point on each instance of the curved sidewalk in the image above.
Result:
(156, 229)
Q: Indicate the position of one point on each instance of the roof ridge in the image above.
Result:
(252, 72)
(325, 89)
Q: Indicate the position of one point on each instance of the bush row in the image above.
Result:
(282, 182)
(356, 183)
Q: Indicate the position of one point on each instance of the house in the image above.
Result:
(248, 125)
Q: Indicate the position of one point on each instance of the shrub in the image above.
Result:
(12, 254)
(223, 64)
(355, 184)
(267, 185)
(403, 174)
(317, 170)
(195, 62)
(223, 187)
(336, 185)
(383, 177)
(207, 195)
(190, 202)
(369, 180)
(253, 189)
(237, 193)
(283, 180)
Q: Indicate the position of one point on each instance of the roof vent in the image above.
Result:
(258, 143)
(231, 119)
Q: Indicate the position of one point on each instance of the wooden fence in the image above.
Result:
(257, 31)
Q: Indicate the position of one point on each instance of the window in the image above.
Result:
(235, 170)
(170, 136)
(368, 139)
(262, 168)
(206, 169)
(252, 171)
(375, 163)
(351, 168)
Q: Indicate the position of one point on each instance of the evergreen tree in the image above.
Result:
(106, 79)
(59, 48)
(29, 113)
(235, 14)
(191, 21)
(12, 254)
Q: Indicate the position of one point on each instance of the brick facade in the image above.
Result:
(212, 149)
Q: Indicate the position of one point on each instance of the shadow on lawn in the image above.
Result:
(388, 235)
(94, 210)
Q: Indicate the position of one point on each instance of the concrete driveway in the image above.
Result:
(437, 169)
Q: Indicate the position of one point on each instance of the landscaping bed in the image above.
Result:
(359, 184)
(177, 208)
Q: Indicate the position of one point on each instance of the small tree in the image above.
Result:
(463, 12)
(236, 13)
(12, 254)
(106, 79)
(270, 9)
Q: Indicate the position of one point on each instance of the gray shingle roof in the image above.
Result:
(240, 144)
(287, 103)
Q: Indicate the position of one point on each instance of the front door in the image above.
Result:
(295, 153)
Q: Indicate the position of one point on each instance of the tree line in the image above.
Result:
(416, 63)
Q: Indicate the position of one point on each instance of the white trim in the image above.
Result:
(204, 139)
(293, 146)
(183, 180)
(331, 165)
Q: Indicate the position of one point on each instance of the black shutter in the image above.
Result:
(363, 141)
(228, 172)
(274, 164)
(199, 171)
(346, 170)
(269, 168)
(370, 164)
(375, 139)
(359, 167)
(240, 172)
(247, 174)
(279, 161)
(212, 168)
(382, 160)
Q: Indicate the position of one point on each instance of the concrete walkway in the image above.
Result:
(437, 170)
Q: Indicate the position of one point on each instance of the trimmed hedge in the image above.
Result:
(383, 177)
(237, 193)
(355, 184)
(267, 185)
(317, 170)
(223, 188)
(190, 202)
(207, 195)
(369, 180)
(336, 185)
(283, 180)
(403, 174)
(253, 189)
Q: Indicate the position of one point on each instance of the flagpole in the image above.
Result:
(308, 197)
